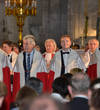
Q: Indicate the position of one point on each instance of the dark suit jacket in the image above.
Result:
(78, 103)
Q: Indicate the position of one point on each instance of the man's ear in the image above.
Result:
(70, 90)
(89, 94)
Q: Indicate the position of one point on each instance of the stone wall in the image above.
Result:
(50, 22)
(54, 18)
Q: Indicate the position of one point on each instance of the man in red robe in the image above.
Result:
(93, 54)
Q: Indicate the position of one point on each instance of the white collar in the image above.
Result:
(81, 96)
(59, 97)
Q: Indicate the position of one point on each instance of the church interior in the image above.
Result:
(52, 47)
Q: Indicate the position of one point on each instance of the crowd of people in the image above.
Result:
(72, 79)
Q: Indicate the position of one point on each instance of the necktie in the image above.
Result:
(28, 62)
(28, 68)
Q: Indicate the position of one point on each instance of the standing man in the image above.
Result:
(50, 46)
(66, 58)
(92, 57)
(29, 61)
(11, 55)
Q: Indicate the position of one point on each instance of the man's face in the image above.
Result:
(49, 47)
(65, 43)
(7, 48)
(93, 45)
(27, 46)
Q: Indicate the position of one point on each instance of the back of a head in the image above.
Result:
(95, 84)
(80, 83)
(3, 89)
(24, 94)
(46, 102)
(67, 76)
(35, 84)
(60, 86)
(75, 70)
(95, 100)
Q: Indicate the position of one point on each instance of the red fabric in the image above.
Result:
(43, 77)
(16, 85)
(47, 79)
(6, 80)
(53, 55)
(92, 71)
(50, 81)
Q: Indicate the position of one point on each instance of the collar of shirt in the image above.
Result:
(69, 50)
(31, 53)
(82, 96)
(31, 56)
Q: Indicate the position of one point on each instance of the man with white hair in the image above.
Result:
(29, 61)
(93, 59)
(50, 46)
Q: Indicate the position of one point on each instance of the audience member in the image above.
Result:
(95, 100)
(95, 84)
(46, 102)
(78, 89)
(75, 70)
(24, 98)
(60, 89)
(68, 58)
(29, 61)
(3, 92)
(35, 84)
(50, 46)
(67, 77)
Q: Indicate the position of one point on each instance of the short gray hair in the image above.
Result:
(80, 83)
(31, 38)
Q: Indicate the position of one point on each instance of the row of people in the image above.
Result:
(30, 61)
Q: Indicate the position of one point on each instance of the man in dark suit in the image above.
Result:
(78, 89)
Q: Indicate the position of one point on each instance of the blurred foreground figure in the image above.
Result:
(95, 100)
(46, 102)
(78, 89)
(3, 92)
